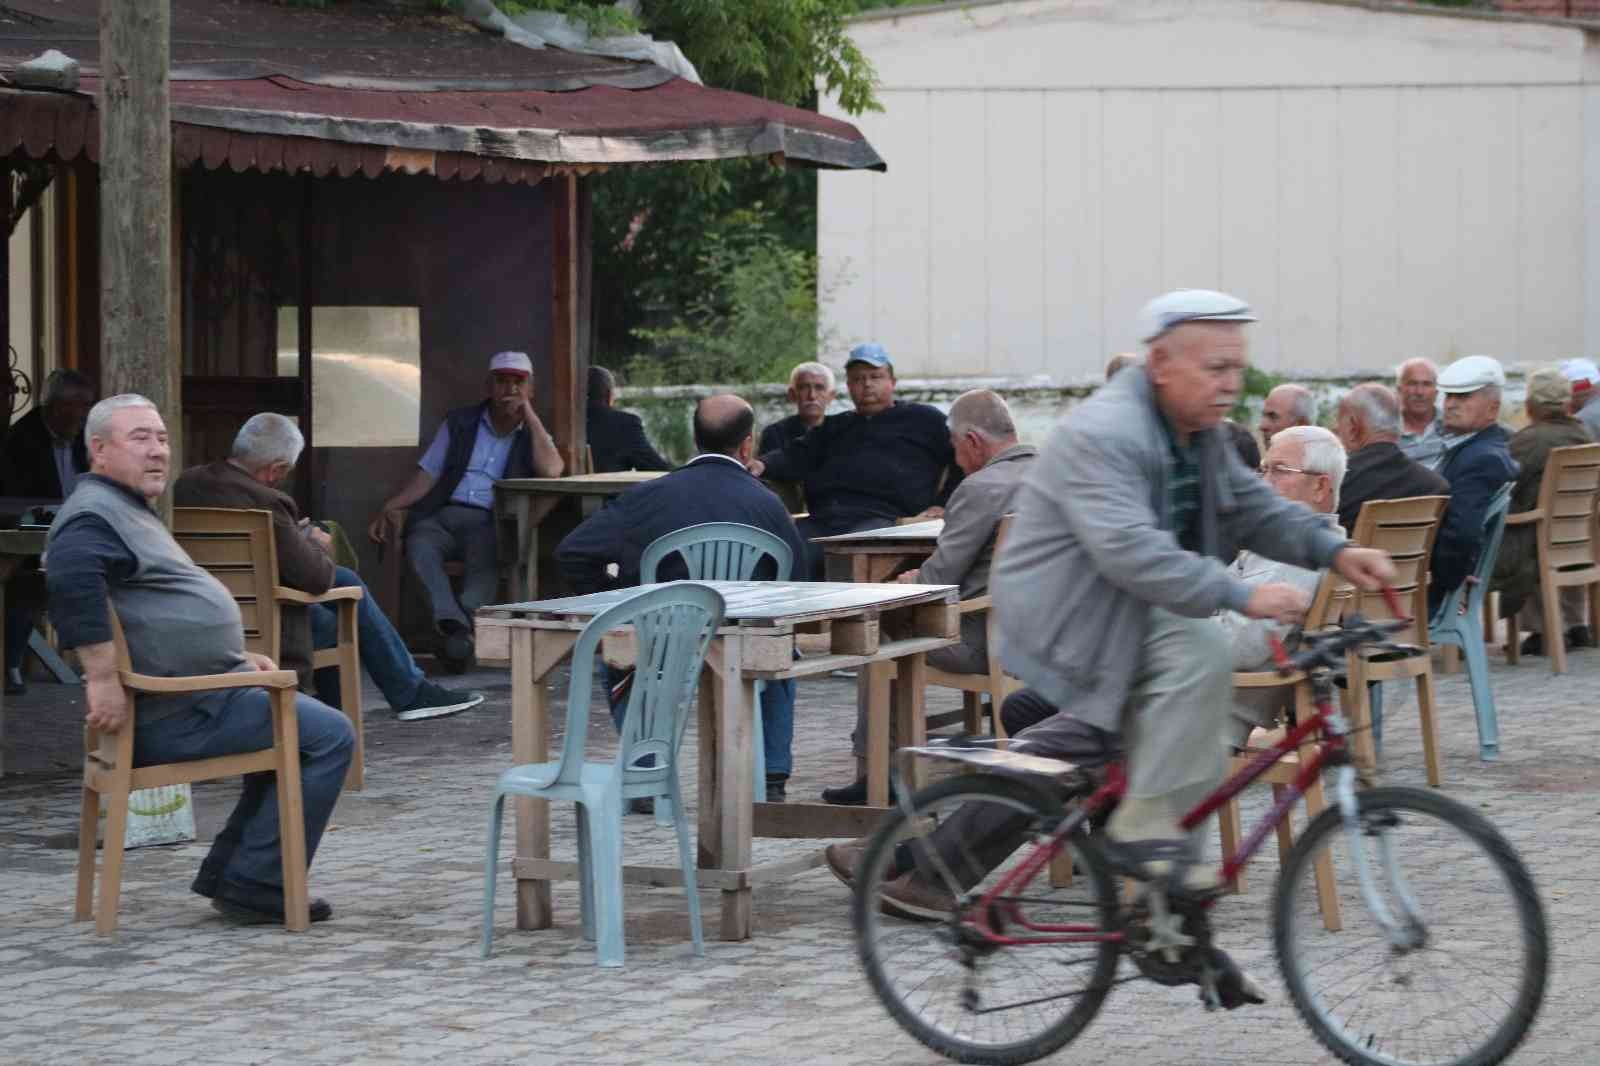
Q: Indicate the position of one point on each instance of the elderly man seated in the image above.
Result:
(1585, 378)
(1476, 461)
(1368, 423)
(451, 497)
(44, 455)
(811, 390)
(1285, 406)
(264, 455)
(109, 549)
(867, 467)
(1306, 464)
(985, 442)
(1516, 570)
(1421, 429)
(617, 439)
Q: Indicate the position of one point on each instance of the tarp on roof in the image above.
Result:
(353, 88)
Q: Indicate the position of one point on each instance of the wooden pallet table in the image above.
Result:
(873, 554)
(882, 631)
(517, 499)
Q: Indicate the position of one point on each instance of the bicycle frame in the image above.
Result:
(1331, 751)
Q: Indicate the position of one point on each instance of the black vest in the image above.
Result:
(463, 423)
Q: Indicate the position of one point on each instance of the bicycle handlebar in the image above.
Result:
(1329, 648)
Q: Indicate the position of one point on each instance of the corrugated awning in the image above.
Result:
(257, 86)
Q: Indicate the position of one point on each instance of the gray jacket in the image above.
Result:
(1091, 549)
(966, 546)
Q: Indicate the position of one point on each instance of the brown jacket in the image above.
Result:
(1516, 570)
(301, 564)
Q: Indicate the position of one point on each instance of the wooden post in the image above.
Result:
(569, 380)
(136, 210)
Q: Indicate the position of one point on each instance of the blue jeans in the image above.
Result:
(777, 720)
(383, 653)
(245, 856)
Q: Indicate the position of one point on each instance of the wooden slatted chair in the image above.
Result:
(1406, 529)
(108, 771)
(1565, 530)
(237, 547)
(1287, 770)
(994, 682)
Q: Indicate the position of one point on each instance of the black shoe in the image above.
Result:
(777, 788)
(1580, 637)
(642, 805)
(16, 684)
(1235, 988)
(1534, 645)
(456, 651)
(435, 701)
(852, 795)
(262, 913)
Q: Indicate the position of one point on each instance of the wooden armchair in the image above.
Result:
(1565, 531)
(994, 681)
(108, 771)
(237, 547)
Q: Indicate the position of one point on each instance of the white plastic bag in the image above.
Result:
(160, 816)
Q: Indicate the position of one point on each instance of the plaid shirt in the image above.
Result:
(1183, 490)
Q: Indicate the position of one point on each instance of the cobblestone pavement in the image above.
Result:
(396, 977)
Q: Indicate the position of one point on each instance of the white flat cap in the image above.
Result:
(1471, 373)
(1576, 370)
(511, 363)
(1190, 305)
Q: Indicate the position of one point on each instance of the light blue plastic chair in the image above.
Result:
(1449, 626)
(673, 627)
(724, 551)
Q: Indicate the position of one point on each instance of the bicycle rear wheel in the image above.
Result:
(1466, 993)
(962, 995)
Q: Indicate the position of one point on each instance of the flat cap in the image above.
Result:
(1471, 373)
(1190, 305)
(1549, 387)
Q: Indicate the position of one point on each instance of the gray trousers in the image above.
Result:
(1574, 609)
(1175, 728)
(455, 532)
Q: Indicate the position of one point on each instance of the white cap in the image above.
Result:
(1190, 305)
(1584, 370)
(511, 363)
(1471, 373)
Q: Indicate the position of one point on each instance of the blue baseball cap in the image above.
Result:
(872, 355)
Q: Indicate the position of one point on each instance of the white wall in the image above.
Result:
(1377, 184)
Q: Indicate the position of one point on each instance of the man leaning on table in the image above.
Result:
(714, 486)
(985, 441)
(451, 497)
(109, 549)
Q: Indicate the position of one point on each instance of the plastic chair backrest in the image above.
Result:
(236, 546)
(1567, 497)
(672, 626)
(1406, 529)
(718, 551)
(1494, 528)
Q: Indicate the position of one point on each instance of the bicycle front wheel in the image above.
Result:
(1465, 984)
(1034, 984)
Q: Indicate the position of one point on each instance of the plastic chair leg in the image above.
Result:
(691, 887)
(1483, 701)
(490, 862)
(88, 826)
(585, 872)
(1375, 704)
(605, 858)
(758, 740)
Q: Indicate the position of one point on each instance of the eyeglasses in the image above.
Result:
(1277, 469)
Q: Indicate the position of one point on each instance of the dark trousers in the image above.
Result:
(383, 652)
(814, 566)
(245, 859)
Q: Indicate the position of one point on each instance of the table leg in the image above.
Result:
(910, 723)
(727, 820)
(872, 692)
(530, 738)
(6, 566)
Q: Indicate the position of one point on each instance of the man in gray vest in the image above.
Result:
(109, 549)
(451, 497)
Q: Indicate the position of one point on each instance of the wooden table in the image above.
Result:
(873, 554)
(514, 498)
(16, 547)
(756, 642)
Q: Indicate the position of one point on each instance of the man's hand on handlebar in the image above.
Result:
(1368, 569)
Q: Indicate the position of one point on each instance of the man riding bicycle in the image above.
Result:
(1116, 560)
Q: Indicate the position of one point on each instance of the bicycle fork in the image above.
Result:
(1406, 933)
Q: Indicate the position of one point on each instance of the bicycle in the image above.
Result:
(1022, 951)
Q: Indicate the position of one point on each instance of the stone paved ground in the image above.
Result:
(396, 977)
